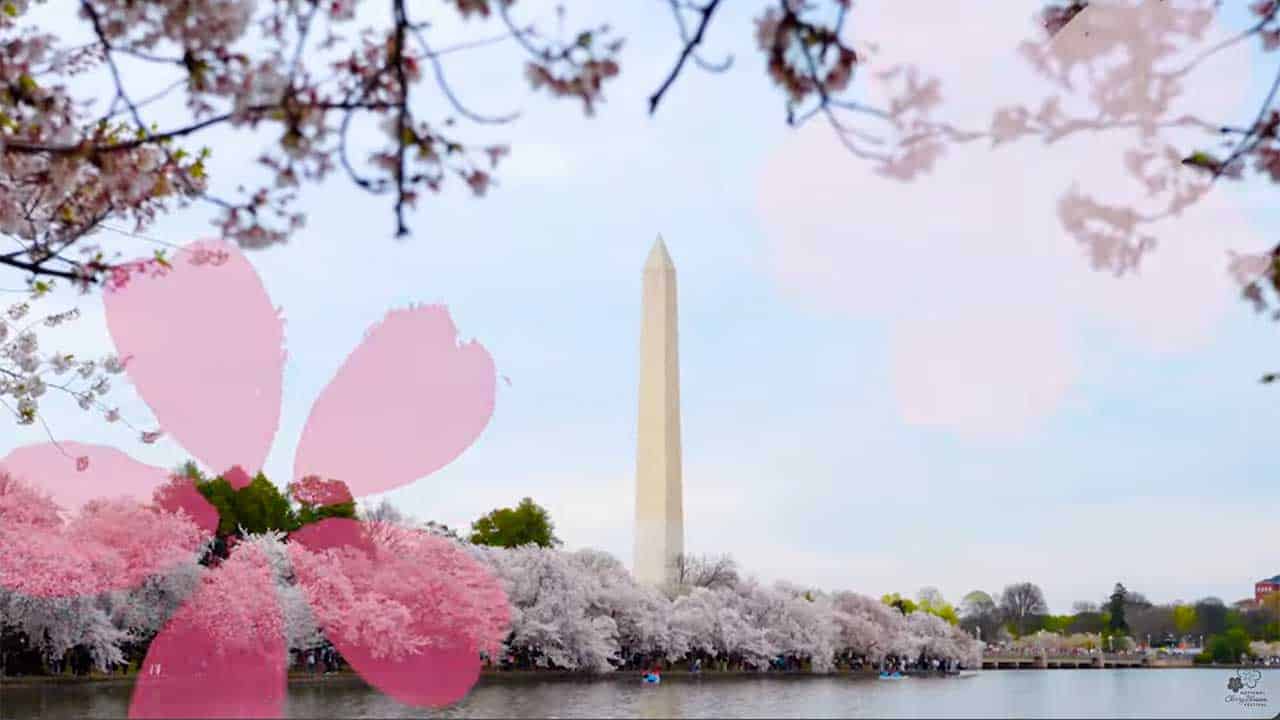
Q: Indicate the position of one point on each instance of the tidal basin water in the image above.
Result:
(1171, 693)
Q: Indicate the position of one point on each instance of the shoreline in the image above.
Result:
(518, 676)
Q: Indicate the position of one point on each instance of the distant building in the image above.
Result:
(1266, 587)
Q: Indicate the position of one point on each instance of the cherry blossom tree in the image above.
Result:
(97, 578)
(82, 152)
(318, 492)
(551, 600)
(804, 627)
(107, 545)
(143, 610)
(397, 591)
(1265, 650)
(933, 636)
(366, 588)
(640, 613)
(693, 617)
(304, 73)
(866, 625)
(301, 631)
(583, 611)
(30, 372)
(55, 625)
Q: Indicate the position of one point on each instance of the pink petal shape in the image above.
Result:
(223, 653)
(435, 677)
(409, 611)
(316, 491)
(334, 534)
(110, 473)
(180, 495)
(202, 343)
(237, 478)
(405, 403)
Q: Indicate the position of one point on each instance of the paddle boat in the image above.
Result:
(652, 678)
(892, 676)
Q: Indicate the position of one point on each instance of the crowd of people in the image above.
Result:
(319, 660)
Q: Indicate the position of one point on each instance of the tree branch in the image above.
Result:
(402, 117)
(690, 46)
(445, 88)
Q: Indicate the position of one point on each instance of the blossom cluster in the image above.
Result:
(1263, 649)
(28, 373)
(806, 57)
(109, 575)
(417, 590)
(297, 73)
(316, 491)
(583, 611)
(395, 590)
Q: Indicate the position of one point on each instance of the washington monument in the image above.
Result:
(659, 489)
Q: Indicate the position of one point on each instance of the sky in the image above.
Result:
(886, 385)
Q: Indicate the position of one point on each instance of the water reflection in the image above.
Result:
(1174, 693)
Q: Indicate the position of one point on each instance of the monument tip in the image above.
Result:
(658, 256)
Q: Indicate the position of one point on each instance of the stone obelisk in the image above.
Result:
(659, 488)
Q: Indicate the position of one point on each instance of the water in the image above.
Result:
(1170, 693)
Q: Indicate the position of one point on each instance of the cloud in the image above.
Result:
(987, 267)
(986, 373)
(1067, 555)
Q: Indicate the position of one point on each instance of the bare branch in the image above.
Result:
(445, 88)
(690, 45)
(402, 116)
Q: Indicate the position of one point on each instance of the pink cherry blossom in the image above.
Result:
(316, 491)
(223, 653)
(108, 545)
(409, 608)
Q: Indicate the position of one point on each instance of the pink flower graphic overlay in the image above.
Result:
(410, 612)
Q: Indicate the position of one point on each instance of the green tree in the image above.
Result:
(308, 514)
(930, 600)
(979, 615)
(946, 612)
(260, 506)
(1184, 618)
(1211, 616)
(1229, 646)
(222, 497)
(526, 524)
(254, 508)
(1115, 607)
(1057, 623)
(1087, 621)
(189, 469)
(906, 606)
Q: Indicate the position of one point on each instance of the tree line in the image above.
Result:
(1125, 618)
(550, 608)
(531, 604)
